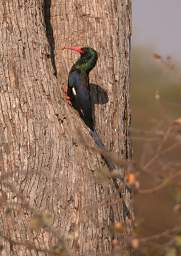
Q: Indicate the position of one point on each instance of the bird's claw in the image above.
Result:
(66, 97)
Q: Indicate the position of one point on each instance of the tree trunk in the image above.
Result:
(41, 154)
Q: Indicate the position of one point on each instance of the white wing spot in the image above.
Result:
(74, 91)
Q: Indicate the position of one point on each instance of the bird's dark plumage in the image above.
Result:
(78, 85)
(79, 91)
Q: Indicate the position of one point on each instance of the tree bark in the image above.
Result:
(40, 151)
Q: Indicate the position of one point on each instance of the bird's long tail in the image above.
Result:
(100, 145)
(111, 166)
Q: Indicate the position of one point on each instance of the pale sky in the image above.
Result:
(157, 24)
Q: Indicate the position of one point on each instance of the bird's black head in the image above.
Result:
(87, 60)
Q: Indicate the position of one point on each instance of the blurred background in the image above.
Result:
(156, 124)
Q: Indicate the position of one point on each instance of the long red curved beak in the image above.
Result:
(76, 49)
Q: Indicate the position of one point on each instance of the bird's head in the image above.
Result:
(87, 60)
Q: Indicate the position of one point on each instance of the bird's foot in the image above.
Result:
(66, 97)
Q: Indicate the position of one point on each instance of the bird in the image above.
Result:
(78, 91)
(78, 95)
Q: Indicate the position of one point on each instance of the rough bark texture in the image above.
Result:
(38, 131)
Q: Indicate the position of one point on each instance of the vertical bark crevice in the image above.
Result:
(49, 32)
